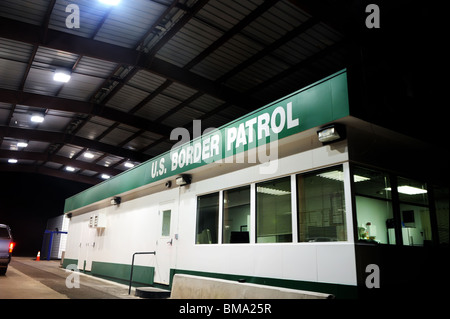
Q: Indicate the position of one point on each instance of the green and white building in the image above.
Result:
(263, 199)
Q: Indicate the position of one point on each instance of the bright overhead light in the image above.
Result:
(62, 76)
(22, 144)
(271, 191)
(110, 2)
(409, 190)
(70, 169)
(105, 176)
(128, 164)
(37, 119)
(12, 161)
(339, 176)
(88, 155)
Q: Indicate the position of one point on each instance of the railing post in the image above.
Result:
(132, 265)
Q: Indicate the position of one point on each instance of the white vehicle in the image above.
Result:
(6, 248)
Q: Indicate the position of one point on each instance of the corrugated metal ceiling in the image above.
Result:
(143, 68)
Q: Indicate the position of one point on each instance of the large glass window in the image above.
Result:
(321, 206)
(236, 215)
(207, 219)
(273, 211)
(442, 204)
(374, 212)
(414, 212)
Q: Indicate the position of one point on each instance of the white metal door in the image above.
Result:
(165, 244)
(87, 244)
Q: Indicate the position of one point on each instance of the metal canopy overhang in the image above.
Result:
(183, 60)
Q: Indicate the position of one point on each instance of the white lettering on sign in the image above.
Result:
(208, 147)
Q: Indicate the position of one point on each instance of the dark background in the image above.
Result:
(27, 201)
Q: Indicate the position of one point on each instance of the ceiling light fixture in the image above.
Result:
(272, 191)
(62, 76)
(88, 155)
(70, 169)
(128, 164)
(22, 144)
(105, 176)
(409, 190)
(339, 176)
(12, 161)
(110, 2)
(37, 119)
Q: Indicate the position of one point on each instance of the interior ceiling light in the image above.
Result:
(12, 161)
(110, 2)
(22, 144)
(62, 76)
(105, 176)
(409, 190)
(70, 169)
(37, 119)
(128, 164)
(339, 176)
(271, 191)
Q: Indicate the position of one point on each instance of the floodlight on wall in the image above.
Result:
(116, 200)
(331, 133)
(183, 180)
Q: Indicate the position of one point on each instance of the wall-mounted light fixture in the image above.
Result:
(116, 200)
(183, 180)
(331, 133)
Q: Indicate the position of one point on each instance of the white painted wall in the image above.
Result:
(134, 226)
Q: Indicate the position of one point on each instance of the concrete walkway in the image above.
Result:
(30, 279)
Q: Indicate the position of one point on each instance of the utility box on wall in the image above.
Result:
(98, 220)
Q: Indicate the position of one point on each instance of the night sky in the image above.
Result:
(27, 201)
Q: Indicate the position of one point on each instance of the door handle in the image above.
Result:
(170, 242)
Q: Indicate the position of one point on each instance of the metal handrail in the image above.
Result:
(132, 265)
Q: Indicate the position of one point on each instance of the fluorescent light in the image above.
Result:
(70, 169)
(105, 176)
(62, 76)
(12, 161)
(37, 119)
(409, 190)
(339, 176)
(128, 164)
(110, 2)
(22, 144)
(271, 191)
(88, 155)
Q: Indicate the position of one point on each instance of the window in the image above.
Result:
(273, 211)
(442, 202)
(166, 223)
(321, 206)
(374, 212)
(207, 219)
(414, 212)
(236, 215)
